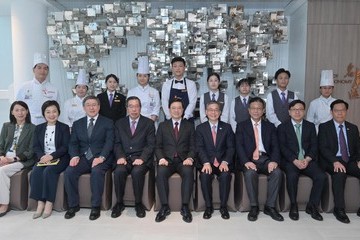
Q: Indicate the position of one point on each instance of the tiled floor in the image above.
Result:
(20, 225)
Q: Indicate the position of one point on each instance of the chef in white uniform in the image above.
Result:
(319, 108)
(73, 107)
(39, 90)
(149, 96)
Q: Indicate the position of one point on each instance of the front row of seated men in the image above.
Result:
(260, 148)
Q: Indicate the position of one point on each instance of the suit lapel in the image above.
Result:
(219, 134)
(11, 131)
(23, 134)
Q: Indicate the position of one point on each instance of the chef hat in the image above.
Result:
(327, 78)
(40, 58)
(143, 65)
(82, 79)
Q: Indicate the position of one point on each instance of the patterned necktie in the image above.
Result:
(283, 99)
(133, 128)
(176, 130)
(90, 127)
(111, 98)
(256, 154)
(342, 143)
(213, 97)
(213, 132)
(298, 135)
(244, 102)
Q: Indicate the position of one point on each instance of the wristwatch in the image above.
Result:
(16, 159)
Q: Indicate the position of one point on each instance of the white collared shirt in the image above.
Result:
(261, 145)
(319, 111)
(192, 94)
(73, 110)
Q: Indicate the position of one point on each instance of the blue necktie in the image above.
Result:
(283, 99)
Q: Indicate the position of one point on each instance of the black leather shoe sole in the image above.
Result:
(315, 215)
(293, 215)
(207, 214)
(342, 218)
(273, 214)
(140, 212)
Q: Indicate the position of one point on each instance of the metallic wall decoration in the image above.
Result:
(219, 38)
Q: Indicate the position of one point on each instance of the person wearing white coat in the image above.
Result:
(149, 96)
(34, 93)
(73, 107)
(319, 109)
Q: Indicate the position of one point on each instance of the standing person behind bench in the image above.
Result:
(277, 101)
(179, 87)
(134, 154)
(339, 148)
(215, 145)
(175, 152)
(258, 152)
(90, 149)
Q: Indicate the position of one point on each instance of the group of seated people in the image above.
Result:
(95, 144)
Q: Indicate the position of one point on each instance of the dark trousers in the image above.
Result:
(224, 179)
(97, 180)
(252, 182)
(138, 177)
(187, 184)
(314, 172)
(339, 180)
(44, 180)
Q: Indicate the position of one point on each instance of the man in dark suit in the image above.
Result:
(175, 152)
(90, 148)
(112, 103)
(339, 147)
(298, 146)
(134, 149)
(215, 147)
(258, 152)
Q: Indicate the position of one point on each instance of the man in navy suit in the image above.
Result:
(258, 152)
(215, 147)
(339, 148)
(90, 148)
(134, 149)
(298, 145)
(175, 152)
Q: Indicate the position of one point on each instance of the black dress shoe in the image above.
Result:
(273, 213)
(117, 210)
(224, 213)
(253, 214)
(164, 211)
(71, 212)
(314, 212)
(294, 212)
(140, 210)
(208, 213)
(186, 214)
(95, 213)
(358, 213)
(340, 215)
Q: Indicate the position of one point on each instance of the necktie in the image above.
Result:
(283, 99)
(213, 132)
(111, 98)
(256, 154)
(213, 97)
(244, 102)
(132, 128)
(343, 147)
(176, 130)
(179, 81)
(90, 128)
(298, 135)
